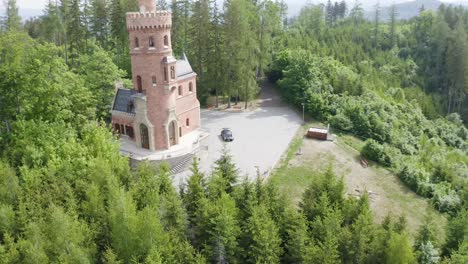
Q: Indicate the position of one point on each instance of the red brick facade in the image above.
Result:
(157, 82)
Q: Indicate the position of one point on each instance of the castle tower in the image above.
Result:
(163, 105)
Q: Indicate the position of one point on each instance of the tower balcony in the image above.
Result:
(149, 20)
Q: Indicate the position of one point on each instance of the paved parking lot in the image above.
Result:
(260, 137)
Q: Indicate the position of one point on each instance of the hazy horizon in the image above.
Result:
(29, 8)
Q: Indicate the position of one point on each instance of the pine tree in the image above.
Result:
(376, 24)
(52, 27)
(357, 13)
(120, 35)
(12, 20)
(343, 8)
(219, 229)
(226, 169)
(264, 244)
(295, 236)
(216, 73)
(241, 47)
(329, 13)
(399, 250)
(200, 35)
(76, 31)
(457, 58)
(195, 191)
(99, 21)
(180, 25)
(393, 18)
(270, 22)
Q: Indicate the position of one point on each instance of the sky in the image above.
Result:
(39, 4)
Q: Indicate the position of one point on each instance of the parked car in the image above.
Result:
(226, 134)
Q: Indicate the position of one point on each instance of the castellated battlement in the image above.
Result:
(149, 20)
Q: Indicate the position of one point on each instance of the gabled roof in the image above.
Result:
(124, 101)
(183, 66)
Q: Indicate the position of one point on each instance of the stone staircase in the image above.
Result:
(177, 164)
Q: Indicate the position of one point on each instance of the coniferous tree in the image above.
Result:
(216, 73)
(12, 20)
(343, 9)
(264, 244)
(52, 28)
(357, 13)
(199, 38)
(76, 31)
(99, 21)
(180, 25)
(241, 45)
(457, 58)
(119, 33)
(376, 24)
(226, 169)
(195, 191)
(393, 20)
(270, 22)
(329, 13)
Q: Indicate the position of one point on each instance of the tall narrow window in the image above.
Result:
(180, 90)
(190, 87)
(137, 43)
(165, 74)
(154, 80)
(166, 40)
(172, 72)
(187, 122)
(180, 131)
(151, 42)
(139, 84)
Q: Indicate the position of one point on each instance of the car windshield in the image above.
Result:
(228, 133)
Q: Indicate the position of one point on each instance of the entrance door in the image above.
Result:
(172, 133)
(144, 136)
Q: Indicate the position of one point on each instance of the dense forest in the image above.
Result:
(68, 196)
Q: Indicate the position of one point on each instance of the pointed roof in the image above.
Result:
(123, 101)
(183, 66)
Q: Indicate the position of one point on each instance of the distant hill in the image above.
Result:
(407, 10)
(25, 13)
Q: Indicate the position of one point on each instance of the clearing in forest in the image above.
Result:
(308, 157)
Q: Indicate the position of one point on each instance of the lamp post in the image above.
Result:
(303, 113)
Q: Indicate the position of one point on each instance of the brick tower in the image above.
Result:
(162, 107)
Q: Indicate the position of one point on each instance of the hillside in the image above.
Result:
(407, 10)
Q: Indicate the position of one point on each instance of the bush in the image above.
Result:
(445, 199)
(377, 152)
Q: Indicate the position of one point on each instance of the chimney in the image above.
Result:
(147, 6)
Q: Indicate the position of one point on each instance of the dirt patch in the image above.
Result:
(387, 194)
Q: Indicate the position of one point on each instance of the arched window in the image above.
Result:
(129, 131)
(137, 43)
(190, 87)
(139, 84)
(187, 122)
(154, 80)
(166, 40)
(180, 90)
(151, 42)
(172, 72)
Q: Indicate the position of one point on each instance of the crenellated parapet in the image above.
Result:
(149, 20)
